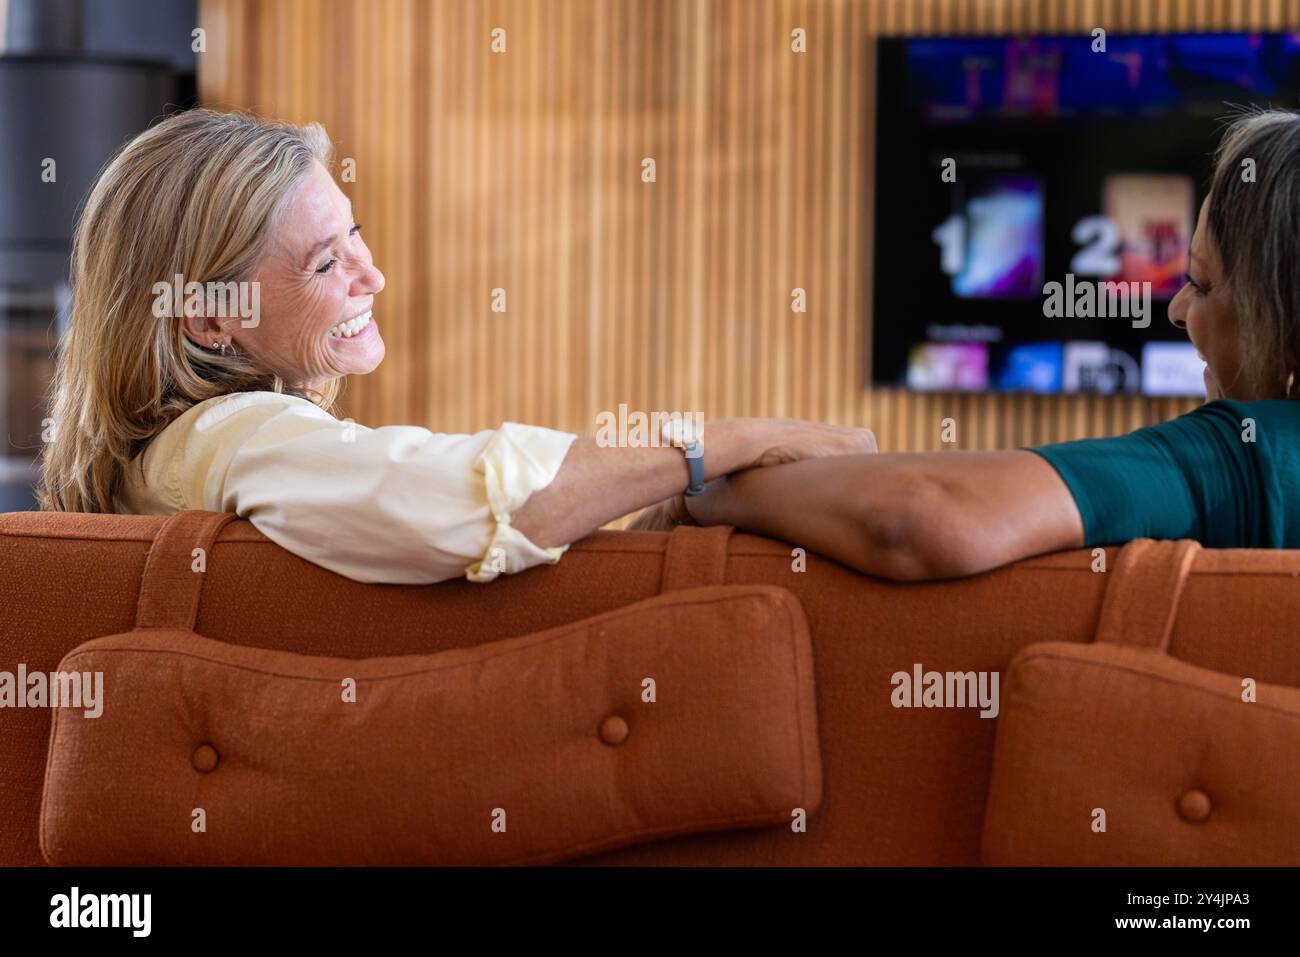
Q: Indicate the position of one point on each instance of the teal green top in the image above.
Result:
(1224, 474)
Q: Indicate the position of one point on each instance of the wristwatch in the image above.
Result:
(681, 433)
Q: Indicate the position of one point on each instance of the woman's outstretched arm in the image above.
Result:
(597, 484)
(907, 517)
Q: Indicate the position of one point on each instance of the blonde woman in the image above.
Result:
(1225, 474)
(162, 409)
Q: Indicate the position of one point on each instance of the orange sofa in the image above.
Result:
(699, 697)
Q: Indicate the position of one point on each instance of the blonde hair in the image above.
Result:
(200, 195)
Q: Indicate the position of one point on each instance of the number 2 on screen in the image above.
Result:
(1100, 253)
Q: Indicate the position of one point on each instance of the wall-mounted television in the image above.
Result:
(1035, 198)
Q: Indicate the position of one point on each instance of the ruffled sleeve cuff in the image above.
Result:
(518, 461)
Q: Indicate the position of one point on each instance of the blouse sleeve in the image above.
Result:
(397, 504)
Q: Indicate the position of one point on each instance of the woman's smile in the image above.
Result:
(356, 343)
(351, 328)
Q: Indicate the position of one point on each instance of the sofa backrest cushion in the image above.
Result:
(1110, 755)
(1115, 752)
(691, 711)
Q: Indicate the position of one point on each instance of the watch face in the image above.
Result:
(680, 431)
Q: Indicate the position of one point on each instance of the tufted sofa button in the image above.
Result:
(613, 730)
(205, 758)
(1194, 806)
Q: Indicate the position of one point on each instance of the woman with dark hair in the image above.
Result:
(1225, 474)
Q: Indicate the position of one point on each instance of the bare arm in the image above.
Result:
(597, 484)
(905, 516)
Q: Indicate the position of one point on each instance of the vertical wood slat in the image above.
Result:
(523, 171)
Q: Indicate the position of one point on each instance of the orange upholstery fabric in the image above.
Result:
(1115, 753)
(548, 737)
(900, 786)
(1184, 771)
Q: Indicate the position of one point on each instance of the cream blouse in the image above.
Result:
(395, 504)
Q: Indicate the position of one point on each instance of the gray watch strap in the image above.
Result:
(695, 464)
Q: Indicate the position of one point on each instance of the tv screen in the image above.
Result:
(1035, 198)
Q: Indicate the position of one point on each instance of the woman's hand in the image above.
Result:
(776, 442)
(780, 441)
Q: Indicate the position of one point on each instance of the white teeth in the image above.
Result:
(348, 329)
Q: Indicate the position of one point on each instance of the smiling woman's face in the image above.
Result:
(1203, 307)
(318, 284)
